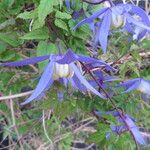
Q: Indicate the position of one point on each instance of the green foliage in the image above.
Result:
(40, 34)
(61, 24)
(62, 15)
(8, 39)
(43, 27)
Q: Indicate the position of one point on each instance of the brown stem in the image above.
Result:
(94, 3)
(112, 102)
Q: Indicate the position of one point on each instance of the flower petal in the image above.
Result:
(78, 84)
(136, 133)
(45, 81)
(140, 12)
(90, 19)
(68, 58)
(104, 30)
(67, 3)
(60, 95)
(84, 81)
(137, 23)
(25, 62)
(130, 85)
(91, 60)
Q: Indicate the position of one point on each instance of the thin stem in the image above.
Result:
(94, 3)
(14, 123)
(45, 131)
(112, 102)
(16, 95)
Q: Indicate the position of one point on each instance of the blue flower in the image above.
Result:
(119, 15)
(139, 84)
(63, 68)
(128, 125)
(138, 32)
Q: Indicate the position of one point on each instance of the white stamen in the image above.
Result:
(117, 20)
(62, 70)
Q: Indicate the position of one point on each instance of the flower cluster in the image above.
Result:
(117, 15)
(71, 69)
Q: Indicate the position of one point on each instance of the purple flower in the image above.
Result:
(139, 84)
(127, 125)
(138, 32)
(121, 14)
(63, 68)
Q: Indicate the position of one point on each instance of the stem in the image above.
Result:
(94, 3)
(16, 95)
(112, 102)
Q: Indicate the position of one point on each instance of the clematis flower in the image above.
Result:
(62, 68)
(127, 125)
(139, 84)
(118, 15)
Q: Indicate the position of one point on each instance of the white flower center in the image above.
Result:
(62, 70)
(117, 20)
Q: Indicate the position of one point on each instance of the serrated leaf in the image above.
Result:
(28, 14)
(62, 15)
(97, 137)
(40, 34)
(36, 24)
(9, 39)
(61, 24)
(45, 8)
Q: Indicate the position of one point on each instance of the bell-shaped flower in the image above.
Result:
(116, 15)
(61, 67)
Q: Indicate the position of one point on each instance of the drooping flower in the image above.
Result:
(127, 125)
(62, 68)
(139, 84)
(119, 15)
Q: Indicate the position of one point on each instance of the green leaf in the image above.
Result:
(40, 34)
(97, 137)
(62, 15)
(6, 4)
(9, 39)
(45, 48)
(36, 24)
(2, 47)
(146, 43)
(61, 24)
(66, 142)
(45, 8)
(28, 14)
(7, 23)
(7, 55)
